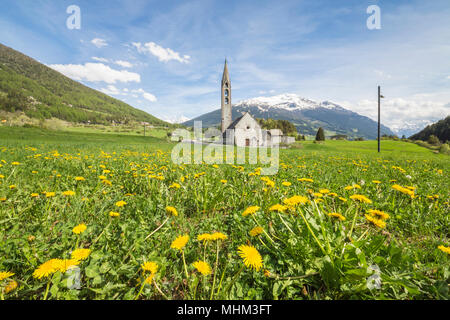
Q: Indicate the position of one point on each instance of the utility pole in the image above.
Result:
(379, 118)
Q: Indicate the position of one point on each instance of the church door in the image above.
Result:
(247, 142)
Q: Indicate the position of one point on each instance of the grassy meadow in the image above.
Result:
(109, 216)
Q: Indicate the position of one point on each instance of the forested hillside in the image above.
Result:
(41, 92)
(440, 129)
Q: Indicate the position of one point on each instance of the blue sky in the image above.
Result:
(166, 57)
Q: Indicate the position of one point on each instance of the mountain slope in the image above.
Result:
(41, 92)
(307, 115)
(440, 129)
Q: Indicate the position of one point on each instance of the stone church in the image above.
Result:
(245, 130)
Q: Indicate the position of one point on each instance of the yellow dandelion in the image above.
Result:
(5, 274)
(305, 180)
(376, 181)
(202, 267)
(79, 179)
(50, 194)
(120, 203)
(250, 210)
(79, 228)
(150, 266)
(256, 231)
(204, 237)
(80, 254)
(223, 181)
(218, 236)
(180, 242)
(286, 183)
(11, 286)
(114, 214)
(377, 222)
(444, 249)
(149, 279)
(252, 258)
(337, 215)
(295, 200)
(324, 191)
(175, 186)
(360, 198)
(35, 195)
(278, 208)
(171, 210)
(69, 193)
(379, 214)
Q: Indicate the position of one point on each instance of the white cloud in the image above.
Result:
(100, 59)
(146, 95)
(397, 113)
(99, 43)
(163, 54)
(96, 72)
(111, 90)
(124, 64)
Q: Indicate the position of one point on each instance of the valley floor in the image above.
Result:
(110, 216)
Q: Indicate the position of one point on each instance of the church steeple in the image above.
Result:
(226, 98)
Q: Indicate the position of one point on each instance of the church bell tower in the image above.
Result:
(226, 99)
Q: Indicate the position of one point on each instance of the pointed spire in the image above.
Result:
(226, 76)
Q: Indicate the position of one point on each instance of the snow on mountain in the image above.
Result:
(410, 128)
(287, 101)
(176, 119)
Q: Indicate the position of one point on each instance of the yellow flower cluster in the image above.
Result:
(202, 267)
(250, 210)
(212, 237)
(409, 191)
(180, 242)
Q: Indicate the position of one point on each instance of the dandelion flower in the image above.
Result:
(175, 186)
(295, 200)
(69, 193)
(337, 215)
(444, 249)
(202, 267)
(114, 214)
(149, 279)
(218, 236)
(79, 228)
(152, 267)
(11, 286)
(377, 222)
(278, 208)
(120, 203)
(204, 237)
(5, 274)
(380, 214)
(180, 242)
(256, 231)
(79, 179)
(360, 198)
(81, 254)
(171, 210)
(252, 258)
(223, 181)
(305, 180)
(286, 183)
(250, 210)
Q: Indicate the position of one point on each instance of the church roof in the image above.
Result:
(235, 122)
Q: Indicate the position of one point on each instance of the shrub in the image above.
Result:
(445, 149)
(433, 140)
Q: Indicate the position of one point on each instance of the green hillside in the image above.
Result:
(440, 129)
(42, 93)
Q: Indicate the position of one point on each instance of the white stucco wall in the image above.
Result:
(248, 128)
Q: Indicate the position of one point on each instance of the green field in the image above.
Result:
(307, 237)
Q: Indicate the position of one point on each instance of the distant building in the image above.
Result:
(245, 130)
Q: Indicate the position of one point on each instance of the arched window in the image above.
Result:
(226, 100)
(226, 92)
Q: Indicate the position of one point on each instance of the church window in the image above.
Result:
(226, 100)
(226, 92)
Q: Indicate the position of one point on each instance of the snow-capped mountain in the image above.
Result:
(307, 115)
(408, 129)
(175, 120)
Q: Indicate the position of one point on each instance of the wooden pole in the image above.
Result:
(379, 125)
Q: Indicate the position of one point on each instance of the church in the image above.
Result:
(245, 130)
